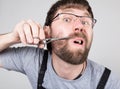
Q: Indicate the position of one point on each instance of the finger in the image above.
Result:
(28, 33)
(41, 36)
(20, 32)
(35, 31)
(41, 32)
(22, 37)
(41, 45)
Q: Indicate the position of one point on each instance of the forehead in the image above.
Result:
(79, 12)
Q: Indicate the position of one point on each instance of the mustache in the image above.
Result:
(81, 35)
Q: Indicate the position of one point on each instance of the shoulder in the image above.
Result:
(24, 54)
(97, 71)
(23, 50)
(95, 67)
(113, 81)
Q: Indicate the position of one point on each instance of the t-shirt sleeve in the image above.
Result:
(18, 58)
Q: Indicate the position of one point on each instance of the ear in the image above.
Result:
(47, 31)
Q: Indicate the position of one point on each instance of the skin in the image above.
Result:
(57, 29)
(25, 31)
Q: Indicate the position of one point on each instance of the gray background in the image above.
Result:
(105, 49)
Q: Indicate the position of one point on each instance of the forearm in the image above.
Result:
(24, 32)
(7, 40)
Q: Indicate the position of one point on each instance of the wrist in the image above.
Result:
(12, 38)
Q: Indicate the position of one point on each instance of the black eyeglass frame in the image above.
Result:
(93, 19)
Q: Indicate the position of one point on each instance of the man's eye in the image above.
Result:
(85, 23)
(66, 19)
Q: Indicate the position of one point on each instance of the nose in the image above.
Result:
(78, 26)
(78, 29)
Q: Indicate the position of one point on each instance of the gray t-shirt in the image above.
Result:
(27, 59)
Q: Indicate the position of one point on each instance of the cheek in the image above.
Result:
(90, 37)
(60, 30)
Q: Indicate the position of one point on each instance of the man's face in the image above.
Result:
(79, 29)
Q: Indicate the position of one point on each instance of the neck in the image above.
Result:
(67, 70)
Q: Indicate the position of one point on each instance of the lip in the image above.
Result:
(75, 41)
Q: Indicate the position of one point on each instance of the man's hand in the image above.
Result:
(28, 32)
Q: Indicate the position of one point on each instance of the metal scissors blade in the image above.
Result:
(54, 39)
(48, 40)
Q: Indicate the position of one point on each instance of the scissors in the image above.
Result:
(49, 40)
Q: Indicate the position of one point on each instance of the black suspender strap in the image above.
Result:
(42, 70)
(104, 78)
(101, 84)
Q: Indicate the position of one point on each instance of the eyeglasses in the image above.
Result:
(68, 18)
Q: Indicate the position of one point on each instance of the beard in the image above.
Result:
(64, 52)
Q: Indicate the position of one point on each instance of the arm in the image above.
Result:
(7, 40)
(24, 32)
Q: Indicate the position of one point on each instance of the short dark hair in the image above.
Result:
(63, 4)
